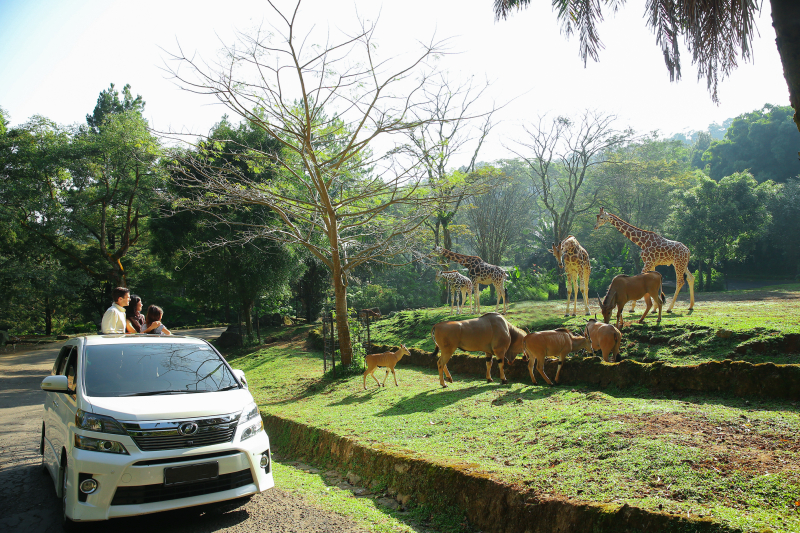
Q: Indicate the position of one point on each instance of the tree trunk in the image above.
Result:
(247, 310)
(342, 328)
(786, 21)
(448, 242)
(48, 316)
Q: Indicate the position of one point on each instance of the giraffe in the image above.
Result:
(573, 258)
(656, 250)
(480, 272)
(457, 283)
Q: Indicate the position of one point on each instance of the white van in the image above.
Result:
(137, 424)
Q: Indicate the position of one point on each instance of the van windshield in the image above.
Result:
(154, 368)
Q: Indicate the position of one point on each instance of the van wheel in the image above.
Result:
(66, 524)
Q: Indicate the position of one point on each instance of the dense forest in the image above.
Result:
(90, 206)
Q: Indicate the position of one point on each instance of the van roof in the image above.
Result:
(119, 338)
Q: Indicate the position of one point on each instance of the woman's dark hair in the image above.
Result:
(131, 311)
(154, 313)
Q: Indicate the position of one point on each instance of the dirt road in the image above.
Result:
(27, 497)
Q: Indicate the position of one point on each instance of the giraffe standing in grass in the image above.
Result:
(656, 250)
(457, 283)
(573, 258)
(480, 272)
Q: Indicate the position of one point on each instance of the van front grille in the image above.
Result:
(174, 434)
(159, 493)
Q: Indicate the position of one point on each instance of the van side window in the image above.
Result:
(61, 361)
(71, 370)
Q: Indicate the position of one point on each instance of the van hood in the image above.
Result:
(171, 406)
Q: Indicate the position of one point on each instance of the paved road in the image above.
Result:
(27, 498)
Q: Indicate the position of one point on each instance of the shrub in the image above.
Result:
(716, 284)
(532, 284)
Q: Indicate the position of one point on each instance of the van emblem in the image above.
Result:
(187, 428)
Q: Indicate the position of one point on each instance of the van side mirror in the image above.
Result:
(239, 374)
(56, 384)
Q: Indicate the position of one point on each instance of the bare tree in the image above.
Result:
(494, 219)
(447, 128)
(559, 153)
(326, 105)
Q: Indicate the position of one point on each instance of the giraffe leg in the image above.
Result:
(477, 295)
(585, 280)
(569, 294)
(678, 286)
(575, 295)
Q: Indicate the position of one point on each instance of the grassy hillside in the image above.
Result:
(748, 325)
(730, 459)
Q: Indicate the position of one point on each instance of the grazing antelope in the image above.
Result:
(490, 333)
(604, 337)
(385, 359)
(551, 343)
(624, 288)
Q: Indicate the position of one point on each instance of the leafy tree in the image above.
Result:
(716, 34)
(764, 141)
(187, 241)
(108, 103)
(636, 183)
(723, 220)
(333, 197)
(785, 232)
(84, 191)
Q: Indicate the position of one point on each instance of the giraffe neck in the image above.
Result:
(463, 260)
(634, 234)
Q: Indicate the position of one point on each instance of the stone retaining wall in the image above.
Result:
(489, 504)
(766, 380)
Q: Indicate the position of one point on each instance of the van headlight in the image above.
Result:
(99, 423)
(249, 413)
(252, 430)
(99, 445)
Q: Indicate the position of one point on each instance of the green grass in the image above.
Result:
(366, 511)
(727, 458)
(756, 321)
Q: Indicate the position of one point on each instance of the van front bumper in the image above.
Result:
(134, 484)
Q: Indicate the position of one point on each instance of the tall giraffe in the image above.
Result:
(573, 258)
(480, 272)
(656, 250)
(457, 283)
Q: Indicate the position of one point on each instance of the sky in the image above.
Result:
(57, 55)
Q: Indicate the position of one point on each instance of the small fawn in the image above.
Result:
(386, 359)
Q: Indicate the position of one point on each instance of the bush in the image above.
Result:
(717, 283)
(532, 284)
(603, 271)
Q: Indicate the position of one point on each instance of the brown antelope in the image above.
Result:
(490, 333)
(551, 343)
(385, 359)
(604, 337)
(373, 314)
(624, 288)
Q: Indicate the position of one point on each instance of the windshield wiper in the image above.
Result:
(229, 387)
(156, 392)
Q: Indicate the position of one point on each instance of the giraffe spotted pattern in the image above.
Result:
(457, 283)
(480, 272)
(656, 250)
(574, 259)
